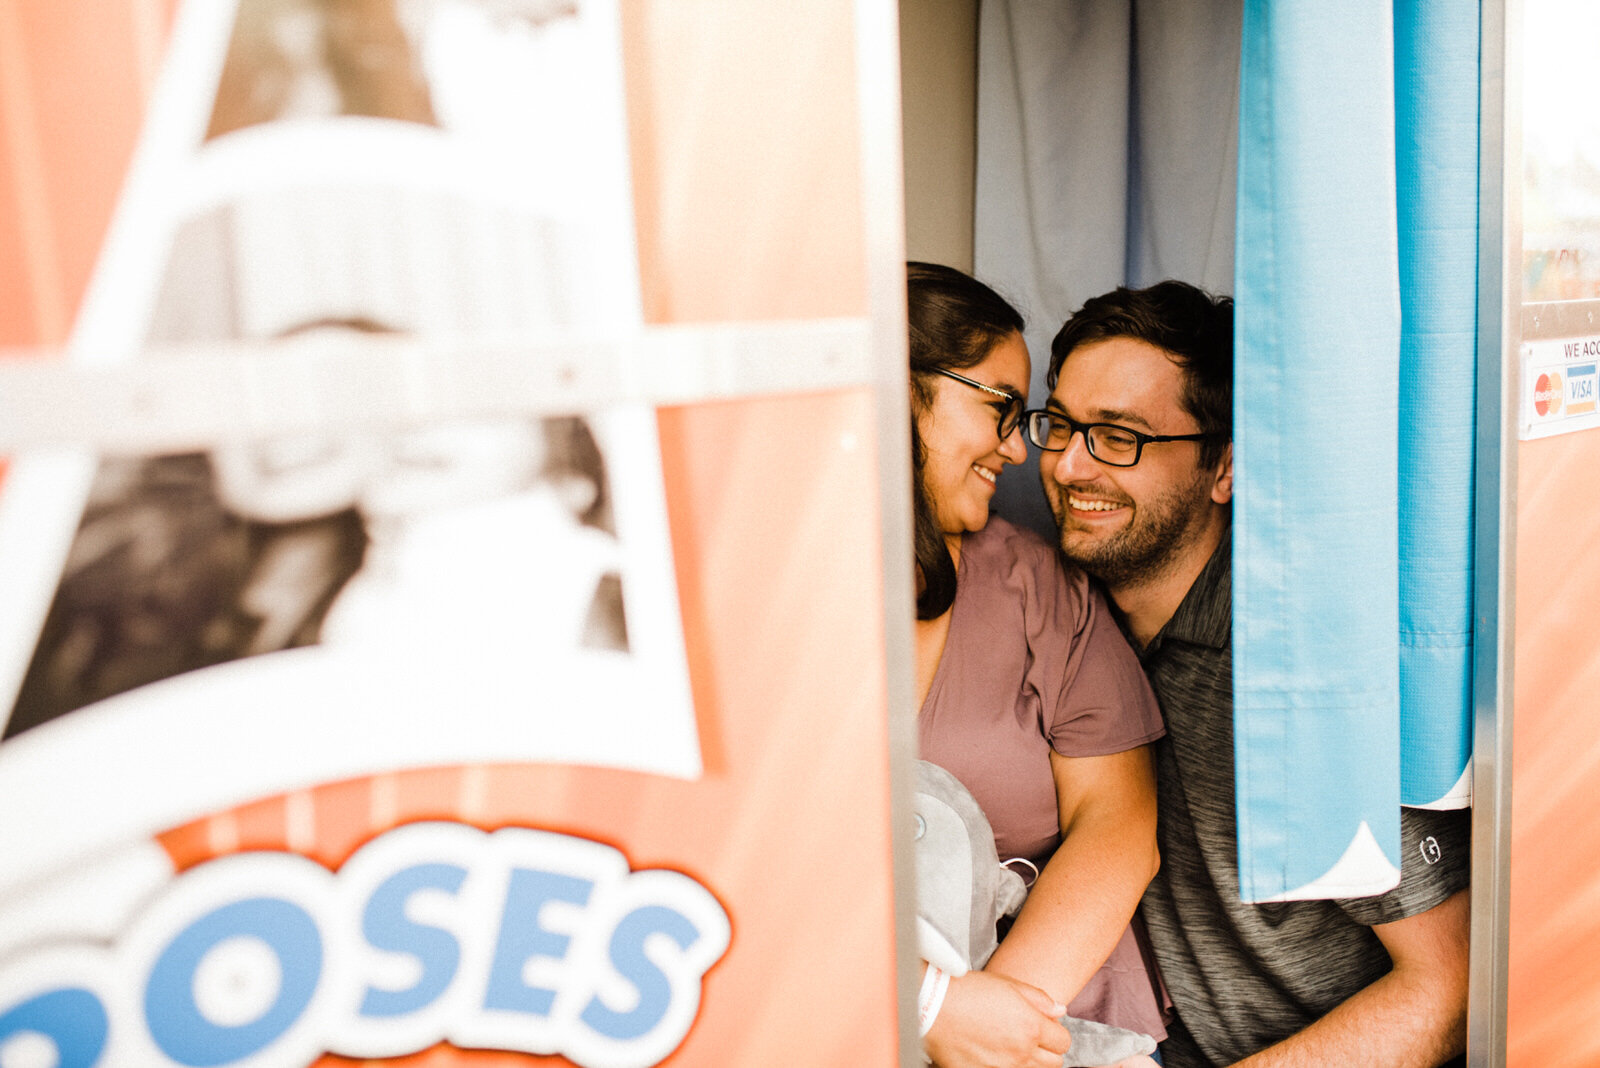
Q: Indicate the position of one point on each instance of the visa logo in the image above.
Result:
(1581, 389)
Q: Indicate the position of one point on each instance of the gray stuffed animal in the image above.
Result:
(963, 890)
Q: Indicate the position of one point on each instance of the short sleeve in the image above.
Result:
(1435, 862)
(1093, 696)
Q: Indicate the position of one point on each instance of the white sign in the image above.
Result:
(1559, 381)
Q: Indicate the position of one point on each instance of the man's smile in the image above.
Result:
(1086, 504)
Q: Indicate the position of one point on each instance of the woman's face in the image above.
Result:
(963, 451)
(454, 464)
(284, 480)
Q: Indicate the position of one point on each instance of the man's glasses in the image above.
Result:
(1109, 443)
(1010, 415)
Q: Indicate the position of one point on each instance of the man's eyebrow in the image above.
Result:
(1121, 416)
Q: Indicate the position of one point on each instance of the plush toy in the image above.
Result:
(962, 892)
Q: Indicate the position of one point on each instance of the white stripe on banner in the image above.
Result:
(193, 395)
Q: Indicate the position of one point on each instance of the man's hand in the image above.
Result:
(990, 1021)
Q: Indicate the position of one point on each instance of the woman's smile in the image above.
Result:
(960, 430)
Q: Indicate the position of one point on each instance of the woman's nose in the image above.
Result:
(1014, 447)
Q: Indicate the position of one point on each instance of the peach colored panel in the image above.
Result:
(1555, 838)
(776, 536)
(746, 165)
(744, 128)
(73, 83)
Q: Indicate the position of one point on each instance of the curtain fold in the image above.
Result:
(1106, 147)
(1436, 120)
(1315, 594)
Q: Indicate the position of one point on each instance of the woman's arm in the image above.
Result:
(1087, 892)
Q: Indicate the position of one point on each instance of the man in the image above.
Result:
(1139, 473)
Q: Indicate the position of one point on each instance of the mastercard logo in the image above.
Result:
(1547, 394)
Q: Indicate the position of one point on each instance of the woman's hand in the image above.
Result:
(1137, 1061)
(991, 1021)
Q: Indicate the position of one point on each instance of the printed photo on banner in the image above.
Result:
(263, 613)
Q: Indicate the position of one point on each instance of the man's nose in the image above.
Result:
(1074, 464)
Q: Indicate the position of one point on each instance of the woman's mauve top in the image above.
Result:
(1033, 662)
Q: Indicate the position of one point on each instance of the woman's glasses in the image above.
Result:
(1010, 414)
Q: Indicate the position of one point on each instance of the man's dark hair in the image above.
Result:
(1193, 327)
(954, 321)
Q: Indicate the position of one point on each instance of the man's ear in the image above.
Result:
(1222, 488)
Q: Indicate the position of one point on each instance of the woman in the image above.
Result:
(1029, 695)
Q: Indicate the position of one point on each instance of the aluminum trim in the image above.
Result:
(883, 207)
(1552, 320)
(1499, 329)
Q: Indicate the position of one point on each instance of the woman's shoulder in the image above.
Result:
(1022, 551)
(1002, 538)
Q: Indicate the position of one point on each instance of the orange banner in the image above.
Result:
(578, 755)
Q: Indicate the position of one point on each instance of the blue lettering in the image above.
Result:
(521, 938)
(384, 923)
(73, 1019)
(176, 1022)
(627, 956)
(268, 959)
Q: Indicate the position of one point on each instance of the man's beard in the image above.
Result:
(1145, 548)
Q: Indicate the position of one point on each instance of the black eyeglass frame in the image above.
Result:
(1032, 418)
(1015, 414)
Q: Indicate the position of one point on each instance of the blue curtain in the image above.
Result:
(1355, 280)
(1436, 119)
(1316, 594)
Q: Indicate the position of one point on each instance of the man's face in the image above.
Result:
(1128, 525)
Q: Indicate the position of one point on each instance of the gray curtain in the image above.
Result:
(1107, 145)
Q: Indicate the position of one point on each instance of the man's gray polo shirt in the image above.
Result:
(1245, 976)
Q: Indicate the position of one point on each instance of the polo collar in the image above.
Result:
(1205, 616)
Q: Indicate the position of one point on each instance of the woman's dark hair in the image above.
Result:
(954, 321)
(1195, 329)
(571, 451)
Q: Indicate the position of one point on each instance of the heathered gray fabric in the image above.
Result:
(1246, 976)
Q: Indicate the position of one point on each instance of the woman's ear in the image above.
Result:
(1222, 488)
